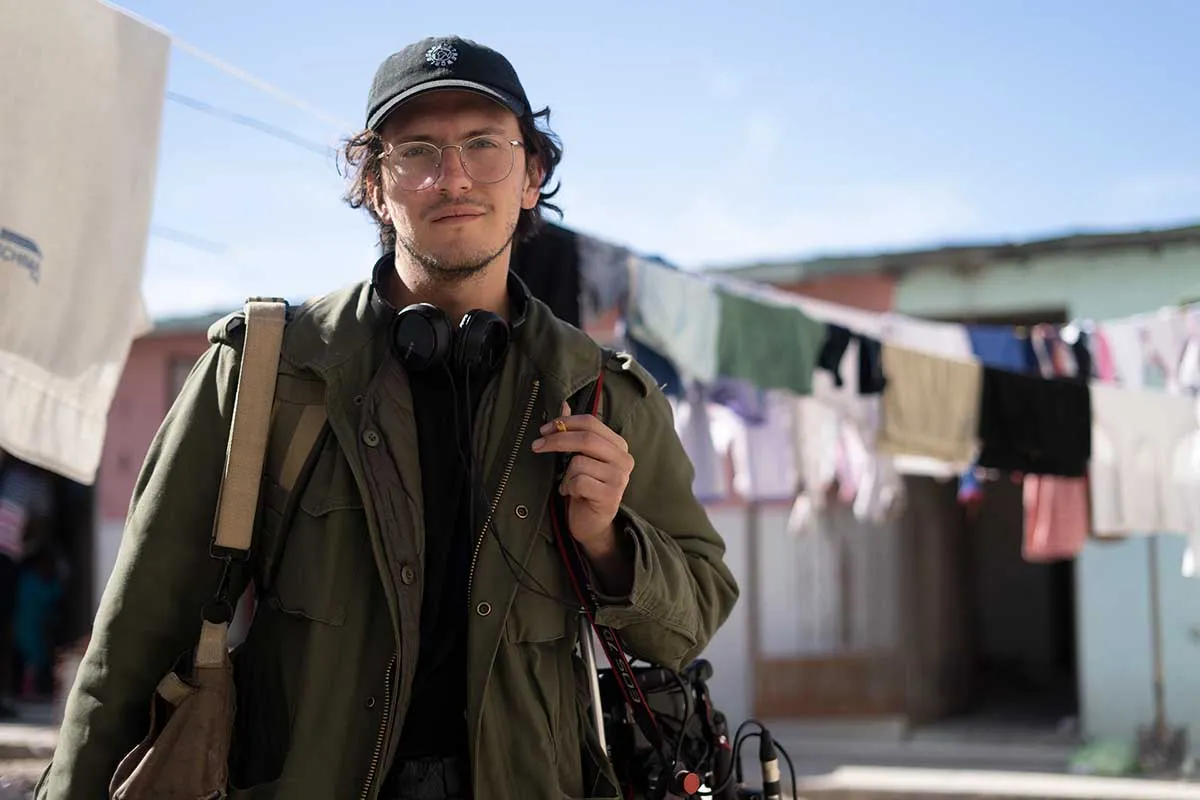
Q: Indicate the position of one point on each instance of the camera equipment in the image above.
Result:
(697, 759)
(660, 729)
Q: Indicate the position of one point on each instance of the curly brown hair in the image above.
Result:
(359, 162)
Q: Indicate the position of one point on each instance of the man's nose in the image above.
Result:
(454, 173)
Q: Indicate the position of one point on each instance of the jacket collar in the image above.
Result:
(330, 329)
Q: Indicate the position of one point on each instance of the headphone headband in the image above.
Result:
(423, 337)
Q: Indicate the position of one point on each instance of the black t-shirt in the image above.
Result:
(435, 724)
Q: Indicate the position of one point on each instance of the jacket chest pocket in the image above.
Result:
(543, 609)
(314, 544)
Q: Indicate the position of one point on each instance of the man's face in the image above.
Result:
(456, 226)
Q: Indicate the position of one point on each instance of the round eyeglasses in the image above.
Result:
(418, 165)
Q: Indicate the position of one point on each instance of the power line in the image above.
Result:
(236, 72)
(250, 122)
(188, 240)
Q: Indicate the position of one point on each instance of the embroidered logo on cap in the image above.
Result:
(441, 55)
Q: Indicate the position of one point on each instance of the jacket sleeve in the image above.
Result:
(682, 589)
(150, 611)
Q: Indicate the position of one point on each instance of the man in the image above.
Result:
(415, 630)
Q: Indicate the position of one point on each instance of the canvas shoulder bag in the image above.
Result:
(186, 752)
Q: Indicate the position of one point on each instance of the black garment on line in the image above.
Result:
(870, 359)
(435, 723)
(1034, 425)
(548, 263)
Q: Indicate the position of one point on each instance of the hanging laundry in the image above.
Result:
(1147, 349)
(1056, 508)
(1032, 425)
(82, 99)
(604, 278)
(1186, 474)
(693, 424)
(1056, 517)
(764, 461)
(1136, 439)
(677, 314)
(1100, 352)
(1189, 358)
(815, 434)
(1000, 347)
(662, 370)
(869, 358)
(836, 431)
(857, 320)
(930, 406)
(997, 346)
(548, 263)
(745, 399)
(944, 339)
(773, 346)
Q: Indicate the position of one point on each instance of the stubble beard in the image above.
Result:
(454, 270)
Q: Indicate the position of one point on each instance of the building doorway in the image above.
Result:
(997, 632)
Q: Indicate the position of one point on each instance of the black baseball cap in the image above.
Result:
(447, 62)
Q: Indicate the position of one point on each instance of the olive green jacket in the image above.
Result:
(324, 675)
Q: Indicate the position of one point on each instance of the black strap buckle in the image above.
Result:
(220, 609)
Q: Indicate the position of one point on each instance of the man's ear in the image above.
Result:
(375, 198)
(535, 177)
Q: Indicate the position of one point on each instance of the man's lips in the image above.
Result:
(456, 214)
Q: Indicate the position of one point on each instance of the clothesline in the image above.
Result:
(880, 395)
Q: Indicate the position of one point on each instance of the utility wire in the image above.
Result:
(250, 122)
(237, 72)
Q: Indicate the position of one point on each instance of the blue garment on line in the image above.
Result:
(999, 346)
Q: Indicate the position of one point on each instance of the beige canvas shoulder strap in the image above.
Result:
(240, 483)
(237, 505)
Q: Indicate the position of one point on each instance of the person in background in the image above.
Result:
(39, 590)
(26, 515)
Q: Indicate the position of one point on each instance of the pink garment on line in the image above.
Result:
(1056, 517)
(1102, 356)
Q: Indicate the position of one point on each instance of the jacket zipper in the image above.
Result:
(387, 713)
(508, 468)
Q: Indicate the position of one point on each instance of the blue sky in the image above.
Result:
(705, 132)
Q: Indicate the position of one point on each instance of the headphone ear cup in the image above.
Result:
(422, 336)
(481, 342)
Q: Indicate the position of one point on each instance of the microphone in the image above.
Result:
(770, 766)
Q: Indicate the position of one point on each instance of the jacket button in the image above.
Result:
(370, 438)
(522, 512)
(370, 702)
(407, 575)
(483, 609)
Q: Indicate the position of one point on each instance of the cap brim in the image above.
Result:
(503, 98)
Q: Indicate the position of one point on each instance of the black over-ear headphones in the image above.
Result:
(423, 337)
